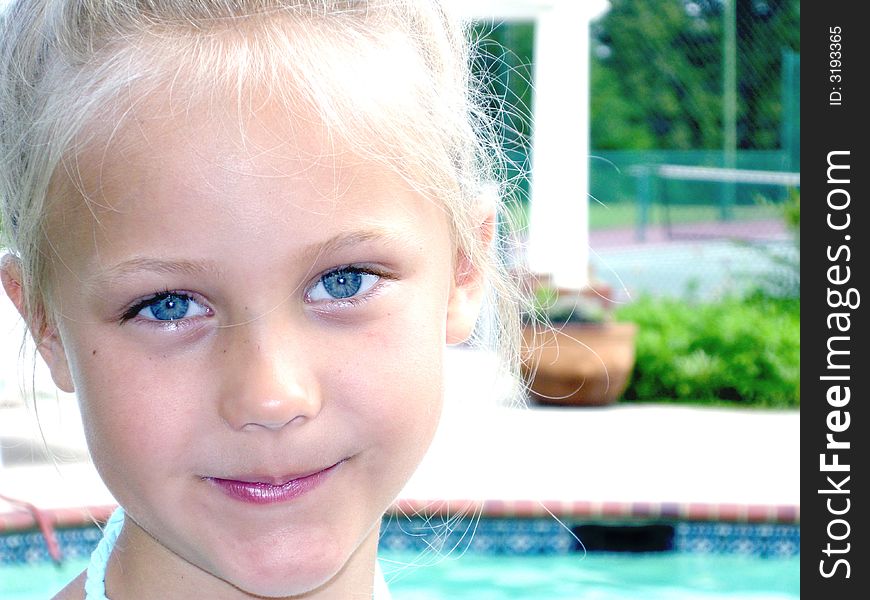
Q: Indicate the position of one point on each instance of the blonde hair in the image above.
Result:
(66, 63)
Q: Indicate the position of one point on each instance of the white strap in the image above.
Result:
(95, 583)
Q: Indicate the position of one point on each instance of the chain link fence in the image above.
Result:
(694, 176)
(695, 139)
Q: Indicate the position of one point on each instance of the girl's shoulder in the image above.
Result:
(74, 590)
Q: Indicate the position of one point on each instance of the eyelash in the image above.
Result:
(356, 299)
(132, 312)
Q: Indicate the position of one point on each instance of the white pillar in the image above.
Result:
(559, 211)
(558, 242)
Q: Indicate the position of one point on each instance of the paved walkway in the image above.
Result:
(758, 231)
(705, 260)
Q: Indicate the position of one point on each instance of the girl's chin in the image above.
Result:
(284, 587)
(289, 578)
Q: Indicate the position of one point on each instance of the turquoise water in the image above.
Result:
(663, 576)
(37, 581)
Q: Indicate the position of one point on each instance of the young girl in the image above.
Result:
(243, 231)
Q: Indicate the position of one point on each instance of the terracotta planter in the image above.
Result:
(579, 364)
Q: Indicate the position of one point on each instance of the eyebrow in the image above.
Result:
(309, 253)
(349, 239)
(133, 266)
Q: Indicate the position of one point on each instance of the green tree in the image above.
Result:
(657, 73)
(503, 63)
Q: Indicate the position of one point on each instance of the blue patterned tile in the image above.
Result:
(738, 538)
(499, 536)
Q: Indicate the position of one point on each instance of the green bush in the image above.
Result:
(743, 351)
(785, 278)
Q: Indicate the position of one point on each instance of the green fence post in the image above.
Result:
(791, 109)
(729, 103)
(644, 175)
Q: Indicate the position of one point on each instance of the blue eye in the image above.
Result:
(343, 284)
(168, 306)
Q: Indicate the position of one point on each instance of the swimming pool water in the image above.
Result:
(608, 576)
(37, 581)
(659, 576)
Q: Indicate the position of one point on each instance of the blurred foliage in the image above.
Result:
(555, 307)
(784, 278)
(657, 73)
(503, 65)
(503, 62)
(735, 351)
(792, 212)
(657, 83)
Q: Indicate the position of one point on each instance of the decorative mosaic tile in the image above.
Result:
(738, 538)
(30, 546)
(499, 536)
(489, 536)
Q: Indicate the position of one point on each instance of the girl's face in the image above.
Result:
(254, 320)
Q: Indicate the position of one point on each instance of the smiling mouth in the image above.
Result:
(270, 490)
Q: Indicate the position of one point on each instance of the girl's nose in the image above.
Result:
(267, 387)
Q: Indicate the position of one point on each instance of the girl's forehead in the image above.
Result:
(186, 177)
(248, 124)
(212, 143)
(345, 118)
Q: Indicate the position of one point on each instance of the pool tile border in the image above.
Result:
(19, 519)
(545, 536)
(678, 511)
(493, 526)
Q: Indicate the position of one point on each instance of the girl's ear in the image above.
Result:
(466, 296)
(47, 338)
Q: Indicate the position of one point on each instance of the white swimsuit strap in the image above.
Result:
(95, 583)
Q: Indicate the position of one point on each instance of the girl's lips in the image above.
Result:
(257, 490)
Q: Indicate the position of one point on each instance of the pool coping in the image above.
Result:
(22, 518)
(678, 511)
